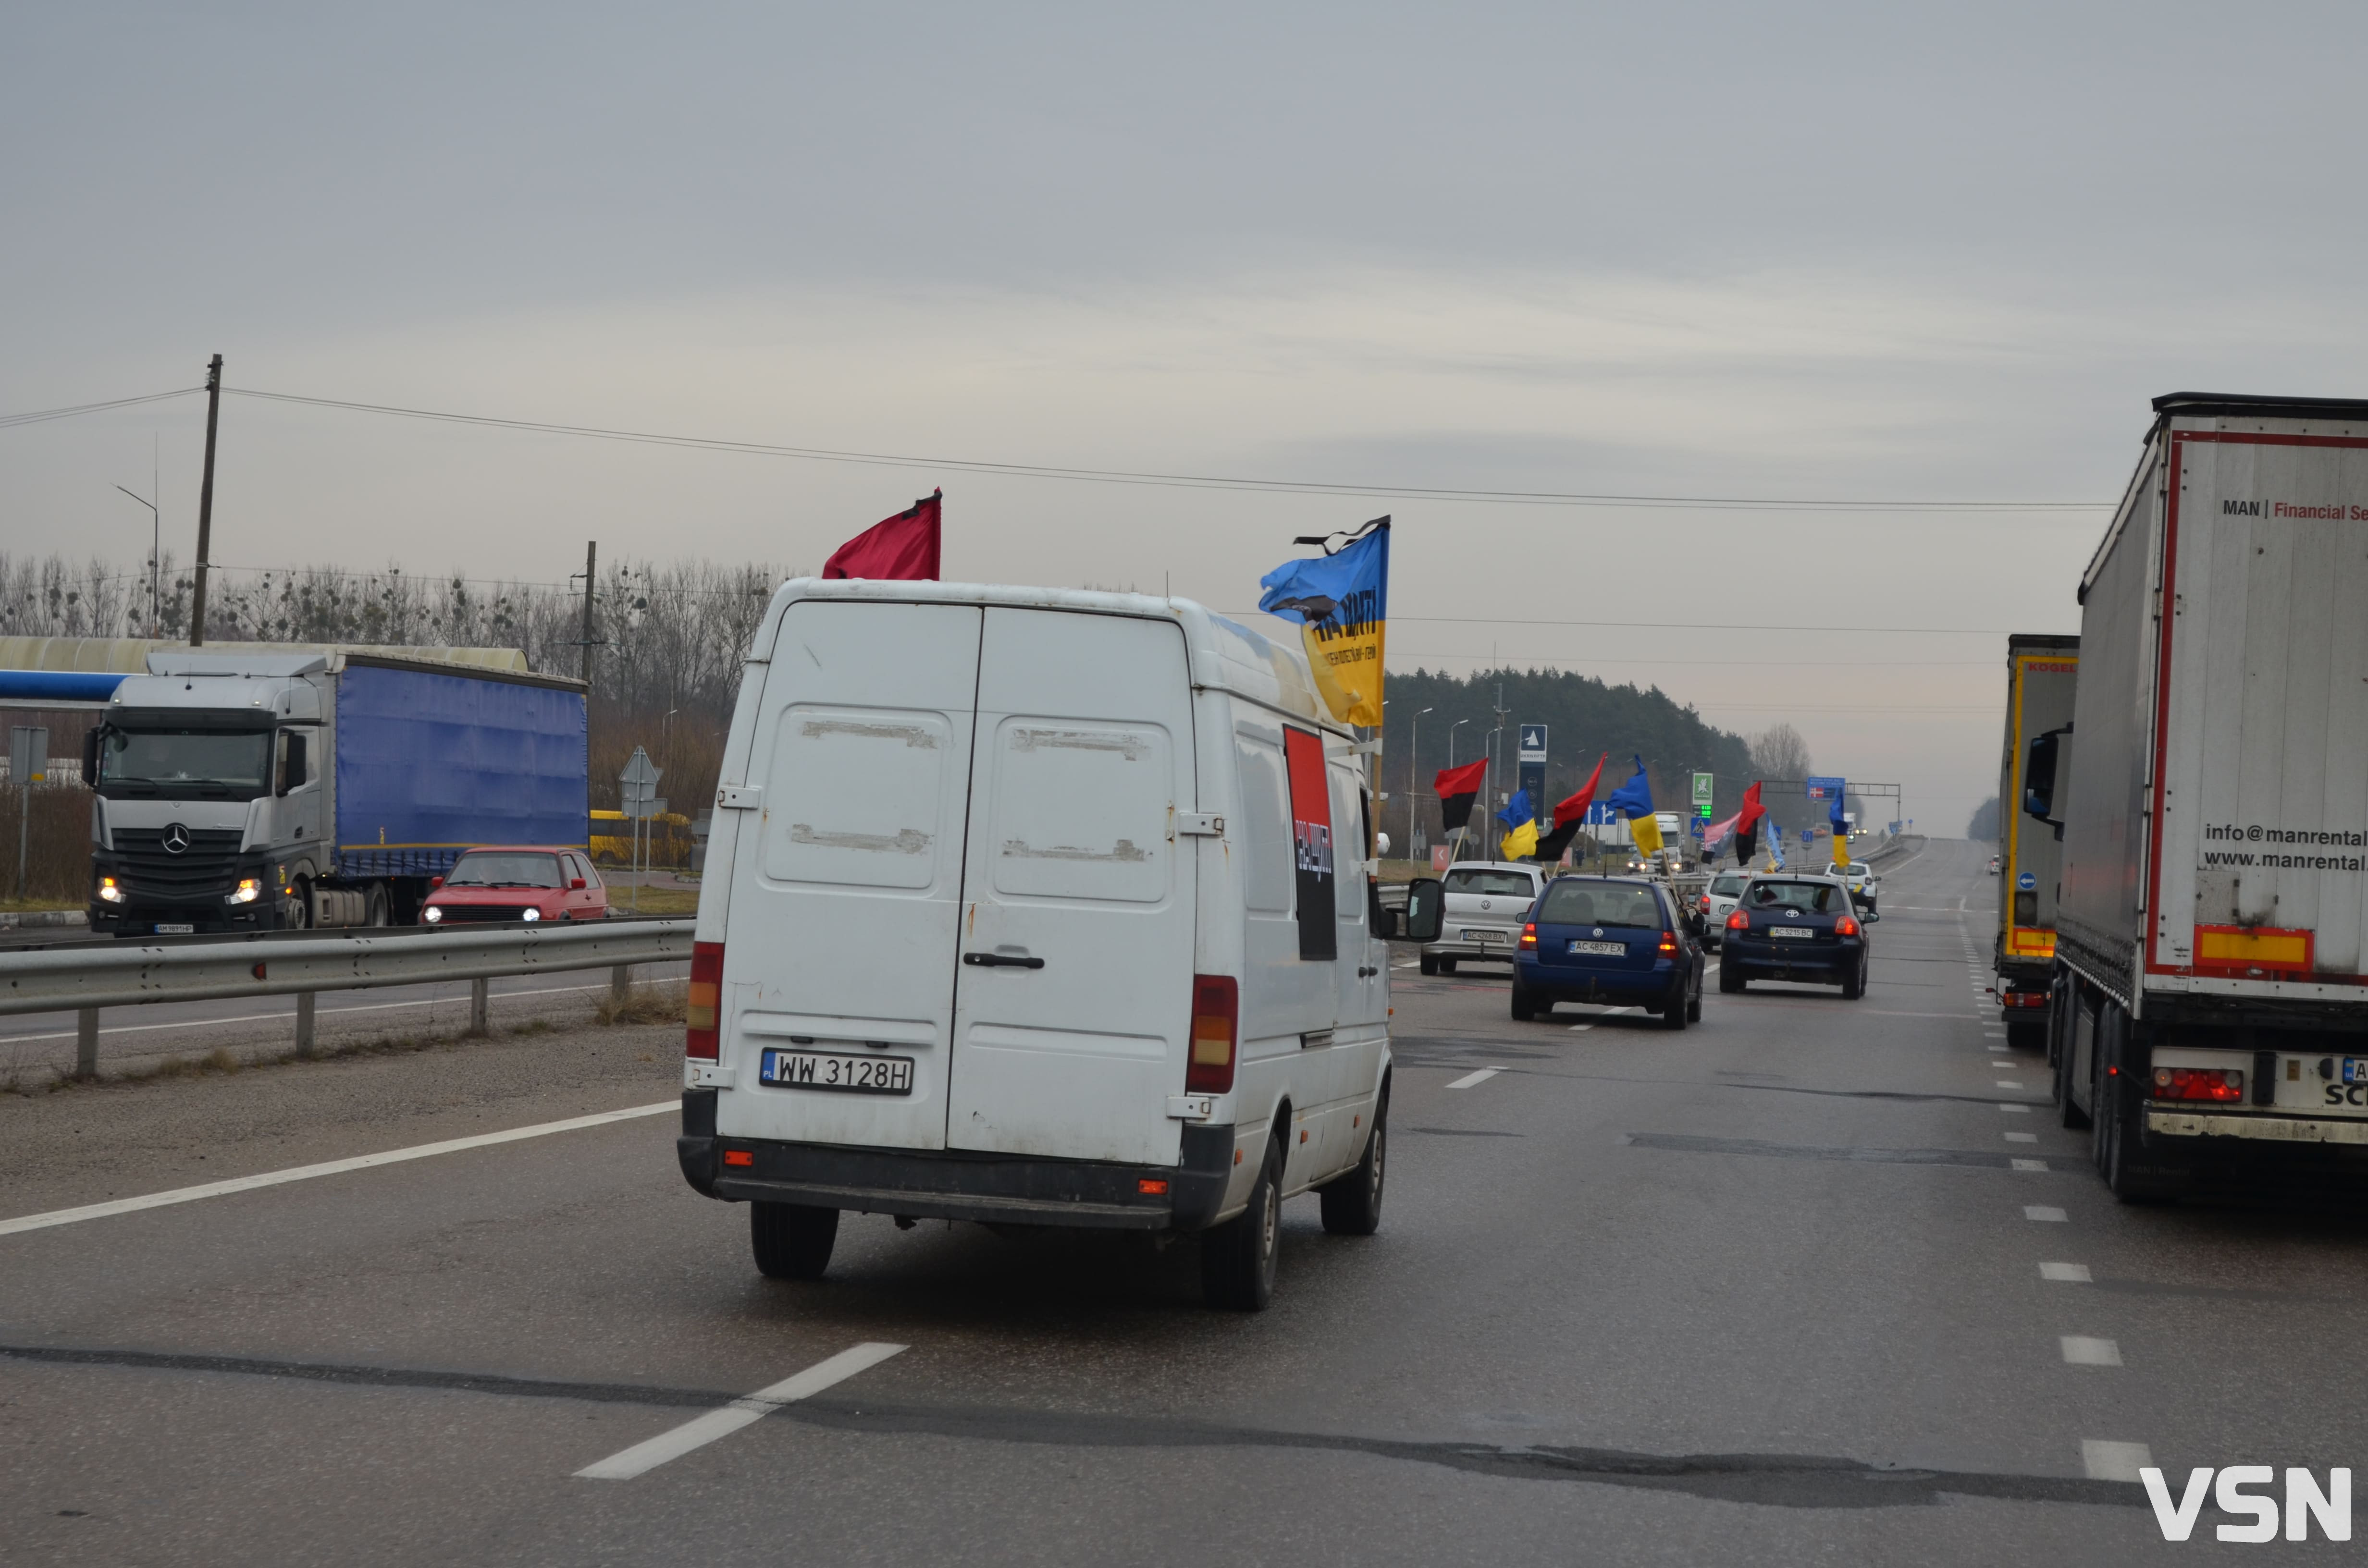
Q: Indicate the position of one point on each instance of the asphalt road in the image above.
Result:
(1767, 1290)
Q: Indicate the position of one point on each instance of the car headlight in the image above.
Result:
(532, 915)
(433, 916)
(249, 890)
(108, 892)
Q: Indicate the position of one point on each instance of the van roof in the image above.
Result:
(1224, 654)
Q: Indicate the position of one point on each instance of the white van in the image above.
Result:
(1035, 907)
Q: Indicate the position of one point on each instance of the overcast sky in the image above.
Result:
(1880, 252)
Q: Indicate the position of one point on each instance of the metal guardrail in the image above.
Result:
(85, 979)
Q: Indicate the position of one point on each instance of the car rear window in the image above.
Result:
(1513, 884)
(1600, 903)
(1818, 896)
(1728, 885)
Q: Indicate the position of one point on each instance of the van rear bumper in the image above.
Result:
(954, 1184)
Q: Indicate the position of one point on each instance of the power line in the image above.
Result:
(1175, 481)
(37, 415)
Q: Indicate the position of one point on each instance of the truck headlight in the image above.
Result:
(433, 916)
(532, 915)
(108, 892)
(249, 890)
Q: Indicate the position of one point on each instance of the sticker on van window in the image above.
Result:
(1311, 839)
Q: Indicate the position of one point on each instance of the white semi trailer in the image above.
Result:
(2210, 1008)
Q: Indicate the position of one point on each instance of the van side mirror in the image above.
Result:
(291, 763)
(1426, 910)
(2041, 769)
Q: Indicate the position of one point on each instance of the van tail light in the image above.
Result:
(2223, 1084)
(1668, 942)
(1738, 921)
(1529, 935)
(701, 1037)
(1846, 926)
(1217, 1019)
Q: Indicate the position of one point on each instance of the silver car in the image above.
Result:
(1483, 906)
(1717, 902)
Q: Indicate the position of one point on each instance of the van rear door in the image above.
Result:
(1074, 993)
(840, 940)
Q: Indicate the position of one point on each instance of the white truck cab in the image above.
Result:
(1034, 907)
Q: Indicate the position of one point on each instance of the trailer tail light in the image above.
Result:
(1738, 921)
(701, 1037)
(1529, 935)
(2223, 1085)
(2023, 999)
(1846, 926)
(1216, 1018)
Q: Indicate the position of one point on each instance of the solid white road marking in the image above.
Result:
(2070, 1273)
(1469, 1079)
(702, 1430)
(2079, 1350)
(2046, 1215)
(2023, 1137)
(2027, 1165)
(2107, 1460)
(2016, 1109)
(331, 1167)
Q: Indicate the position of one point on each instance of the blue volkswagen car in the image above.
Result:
(1611, 939)
(1796, 927)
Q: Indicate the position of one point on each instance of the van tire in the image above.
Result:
(1237, 1257)
(791, 1241)
(1352, 1202)
(1429, 963)
(1525, 1006)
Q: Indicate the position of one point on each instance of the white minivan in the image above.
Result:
(1035, 907)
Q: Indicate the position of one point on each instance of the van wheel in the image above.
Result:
(1525, 1006)
(1730, 979)
(1429, 963)
(1237, 1257)
(791, 1241)
(1352, 1203)
(1446, 966)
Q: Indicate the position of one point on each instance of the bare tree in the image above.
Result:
(1778, 752)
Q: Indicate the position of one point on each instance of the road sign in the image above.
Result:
(29, 754)
(1534, 743)
(652, 807)
(1826, 789)
(2026, 882)
(1808, 835)
(1704, 794)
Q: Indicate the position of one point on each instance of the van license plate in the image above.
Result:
(845, 1075)
(1601, 949)
(1795, 932)
(183, 930)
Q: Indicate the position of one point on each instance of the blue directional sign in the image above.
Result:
(1807, 837)
(2026, 882)
(1534, 743)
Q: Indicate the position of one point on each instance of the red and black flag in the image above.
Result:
(1747, 827)
(1458, 788)
(903, 547)
(1570, 815)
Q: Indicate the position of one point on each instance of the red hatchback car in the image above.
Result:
(518, 881)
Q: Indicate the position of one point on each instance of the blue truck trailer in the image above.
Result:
(269, 791)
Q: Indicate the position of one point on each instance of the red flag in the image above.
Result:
(1752, 809)
(902, 548)
(1571, 810)
(1458, 788)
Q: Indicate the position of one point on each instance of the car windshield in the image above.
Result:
(1818, 896)
(224, 759)
(1728, 885)
(1599, 904)
(504, 868)
(1510, 884)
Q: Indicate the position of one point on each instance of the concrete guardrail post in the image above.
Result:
(481, 1012)
(304, 1000)
(86, 1042)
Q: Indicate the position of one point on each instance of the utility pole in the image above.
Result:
(591, 558)
(206, 503)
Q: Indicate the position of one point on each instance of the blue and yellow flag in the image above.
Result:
(1520, 840)
(1633, 801)
(1341, 602)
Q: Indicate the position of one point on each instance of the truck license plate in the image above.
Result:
(181, 930)
(1601, 949)
(845, 1075)
(1795, 932)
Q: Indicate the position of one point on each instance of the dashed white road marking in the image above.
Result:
(2107, 1460)
(1469, 1079)
(2045, 1214)
(2027, 1165)
(2023, 1137)
(331, 1167)
(2068, 1273)
(2009, 1083)
(1993, 1047)
(700, 1431)
(2079, 1350)
(2016, 1109)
